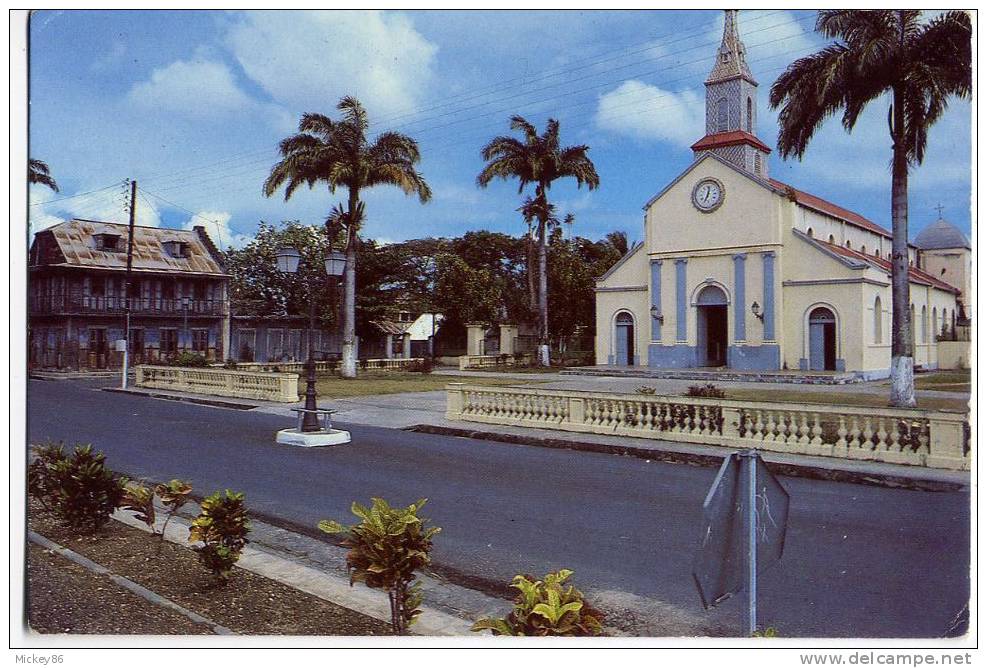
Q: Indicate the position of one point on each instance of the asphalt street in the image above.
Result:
(860, 561)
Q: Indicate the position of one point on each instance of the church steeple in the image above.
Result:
(731, 106)
(731, 57)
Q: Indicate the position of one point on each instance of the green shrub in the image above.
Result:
(186, 358)
(546, 608)
(221, 527)
(139, 499)
(424, 365)
(386, 549)
(42, 484)
(87, 492)
(173, 496)
(707, 390)
(644, 389)
(230, 364)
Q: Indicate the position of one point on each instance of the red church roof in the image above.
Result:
(819, 204)
(731, 138)
(915, 274)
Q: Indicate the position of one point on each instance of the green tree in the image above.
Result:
(538, 160)
(258, 288)
(339, 154)
(876, 53)
(38, 172)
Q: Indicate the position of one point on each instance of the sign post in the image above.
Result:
(745, 516)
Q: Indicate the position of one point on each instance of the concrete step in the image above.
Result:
(714, 376)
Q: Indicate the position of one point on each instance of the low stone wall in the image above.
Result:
(936, 439)
(265, 386)
(325, 367)
(954, 354)
(484, 361)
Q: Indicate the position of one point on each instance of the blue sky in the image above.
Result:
(192, 105)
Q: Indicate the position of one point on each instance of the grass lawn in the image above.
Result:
(394, 382)
(944, 381)
(843, 398)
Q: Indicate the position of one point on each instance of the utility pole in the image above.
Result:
(126, 282)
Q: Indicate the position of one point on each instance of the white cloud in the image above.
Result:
(217, 224)
(106, 205)
(198, 88)
(308, 60)
(643, 111)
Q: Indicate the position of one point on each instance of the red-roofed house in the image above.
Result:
(743, 271)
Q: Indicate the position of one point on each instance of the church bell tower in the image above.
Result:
(731, 107)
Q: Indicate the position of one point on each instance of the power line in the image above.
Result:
(88, 192)
(219, 231)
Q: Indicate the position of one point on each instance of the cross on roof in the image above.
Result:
(939, 208)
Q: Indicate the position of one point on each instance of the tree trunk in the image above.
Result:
(532, 283)
(902, 362)
(543, 356)
(349, 300)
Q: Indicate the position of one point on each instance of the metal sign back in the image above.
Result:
(721, 565)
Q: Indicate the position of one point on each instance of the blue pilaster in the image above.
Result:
(655, 299)
(740, 299)
(769, 295)
(681, 305)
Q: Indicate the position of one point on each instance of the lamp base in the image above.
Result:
(313, 439)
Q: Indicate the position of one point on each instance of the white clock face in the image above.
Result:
(707, 195)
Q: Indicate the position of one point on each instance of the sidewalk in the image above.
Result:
(425, 412)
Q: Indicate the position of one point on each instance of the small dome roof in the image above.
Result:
(941, 234)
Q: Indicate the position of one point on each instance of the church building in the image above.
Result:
(742, 271)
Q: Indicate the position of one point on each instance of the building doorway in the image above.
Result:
(711, 327)
(98, 349)
(822, 340)
(624, 340)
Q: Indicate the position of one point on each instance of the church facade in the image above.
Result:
(742, 271)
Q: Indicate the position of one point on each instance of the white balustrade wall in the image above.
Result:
(327, 366)
(264, 386)
(936, 439)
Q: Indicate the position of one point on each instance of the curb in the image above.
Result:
(129, 585)
(876, 479)
(216, 403)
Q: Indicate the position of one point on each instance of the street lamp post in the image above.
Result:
(288, 260)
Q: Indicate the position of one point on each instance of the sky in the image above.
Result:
(192, 104)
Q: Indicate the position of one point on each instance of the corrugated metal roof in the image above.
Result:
(811, 201)
(76, 240)
(915, 274)
(391, 327)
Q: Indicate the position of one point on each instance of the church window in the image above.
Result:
(925, 325)
(721, 115)
(848, 243)
(863, 249)
(832, 239)
(750, 116)
(757, 163)
(935, 321)
(809, 232)
(878, 320)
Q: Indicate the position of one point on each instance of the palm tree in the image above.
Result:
(618, 241)
(529, 211)
(878, 52)
(538, 160)
(339, 154)
(37, 172)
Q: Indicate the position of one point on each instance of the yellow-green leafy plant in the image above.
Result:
(173, 495)
(546, 607)
(222, 528)
(139, 499)
(386, 550)
(86, 491)
(770, 632)
(42, 483)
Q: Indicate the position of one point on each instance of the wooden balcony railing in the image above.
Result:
(138, 305)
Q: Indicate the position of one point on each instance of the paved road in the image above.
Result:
(859, 561)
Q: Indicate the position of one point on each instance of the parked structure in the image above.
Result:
(76, 304)
(741, 270)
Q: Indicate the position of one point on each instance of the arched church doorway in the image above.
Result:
(711, 326)
(624, 339)
(822, 340)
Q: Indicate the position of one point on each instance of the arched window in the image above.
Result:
(848, 244)
(863, 249)
(935, 323)
(832, 239)
(750, 116)
(721, 115)
(757, 163)
(808, 232)
(925, 324)
(878, 320)
(877, 252)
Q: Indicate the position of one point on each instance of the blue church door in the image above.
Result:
(822, 340)
(624, 343)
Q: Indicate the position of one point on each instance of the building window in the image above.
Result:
(178, 249)
(863, 249)
(832, 239)
(200, 340)
(107, 242)
(169, 341)
(750, 116)
(809, 232)
(721, 115)
(925, 325)
(848, 244)
(935, 322)
(878, 320)
(757, 163)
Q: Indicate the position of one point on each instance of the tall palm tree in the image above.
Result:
(875, 53)
(530, 209)
(37, 172)
(539, 160)
(339, 154)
